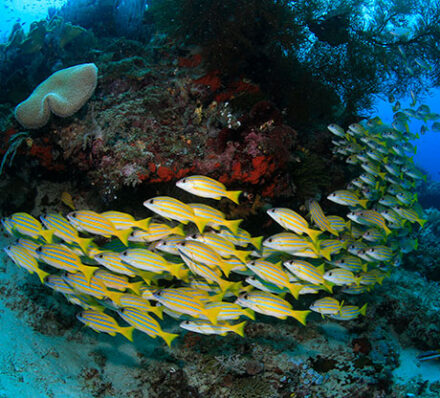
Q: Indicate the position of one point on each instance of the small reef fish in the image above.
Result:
(216, 217)
(156, 231)
(28, 225)
(101, 322)
(349, 312)
(96, 224)
(141, 304)
(222, 328)
(319, 218)
(174, 209)
(21, 257)
(117, 282)
(270, 304)
(292, 221)
(306, 271)
(347, 198)
(341, 277)
(125, 221)
(64, 230)
(207, 187)
(58, 284)
(326, 306)
(289, 243)
(145, 323)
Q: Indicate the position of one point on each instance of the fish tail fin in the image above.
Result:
(146, 276)
(328, 286)
(175, 269)
(294, 289)
(47, 234)
(136, 287)
(143, 224)
(88, 272)
(41, 274)
(232, 225)
(382, 175)
(333, 232)
(313, 233)
(387, 230)
(178, 230)
(363, 309)
(183, 274)
(114, 296)
(123, 234)
(84, 243)
(364, 267)
(217, 297)
(224, 285)
(200, 222)
(157, 310)
(227, 267)
(257, 242)
(127, 332)
(363, 203)
(234, 196)
(249, 313)
(238, 328)
(168, 337)
(421, 222)
(357, 280)
(242, 255)
(211, 314)
(380, 279)
(326, 253)
(300, 316)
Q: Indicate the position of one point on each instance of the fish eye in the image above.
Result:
(39, 249)
(245, 296)
(124, 253)
(194, 236)
(73, 214)
(184, 180)
(100, 255)
(269, 240)
(183, 244)
(371, 250)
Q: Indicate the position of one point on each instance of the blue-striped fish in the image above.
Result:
(265, 286)
(147, 260)
(117, 282)
(349, 312)
(64, 230)
(169, 244)
(61, 257)
(306, 271)
(326, 306)
(341, 277)
(95, 288)
(289, 243)
(21, 257)
(409, 214)
(380, 253)
(336, 130)
(207, 187)
(216, 217)
(141, 304)
(58, 284)
(337, 223)
(156, 231)
(101, 322)
(347, 198)
(350, 263)
(125, 221)
(274, 273)
(183, 301)
(369, 217)
(270, 304)
(319, 218)
(28, 225)
(31, 246)
(241, 238)
(146, 323)
(229, 311)
(292, 221)
(174, 209)
(222, 328)
(94, 223)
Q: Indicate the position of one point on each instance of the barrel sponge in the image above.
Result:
(63, 93)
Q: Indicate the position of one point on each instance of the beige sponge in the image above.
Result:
(63, 93)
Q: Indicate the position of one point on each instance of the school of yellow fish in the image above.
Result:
(190, 263)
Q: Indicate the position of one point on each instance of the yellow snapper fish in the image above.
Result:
(274, 273)
(147, 260)
(58, 284)
(183, 301)
(306, 271)
(206, 272)
(146, 323)
(229, 311)
(241, 238)
(341, 277)
(347, 198)
(67, 199)
(141, 304)
(292, 221)
(64, 230)
(319, 218)
(349, 312)
(289, 243)
(207, 187)
(216, 217)
(124, 220)
(222, 328)
(21, 257)
(174, 209)
(28, 225)
(61, 257)
(202, 253)
(101, 322)
(169, 244)
(327, 306)
(93, 288)
(96, 224)
(270, 304)
(31, 246)
(117, 282)
(156, 231)
(221, 245)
